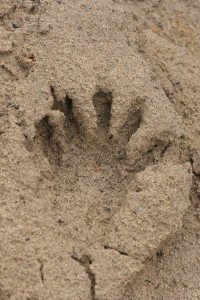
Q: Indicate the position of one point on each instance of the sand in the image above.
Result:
(100, 150)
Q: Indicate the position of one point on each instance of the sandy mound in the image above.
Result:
(100, 150)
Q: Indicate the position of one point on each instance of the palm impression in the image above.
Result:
(110, 181)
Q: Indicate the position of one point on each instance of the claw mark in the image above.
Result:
(85, 261)
(102, 102)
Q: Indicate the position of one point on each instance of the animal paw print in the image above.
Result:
(91, 157)
(147, 129)
(121, 194)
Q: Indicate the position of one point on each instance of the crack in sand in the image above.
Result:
(115, 249)
(41, 269)
(85, 261)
